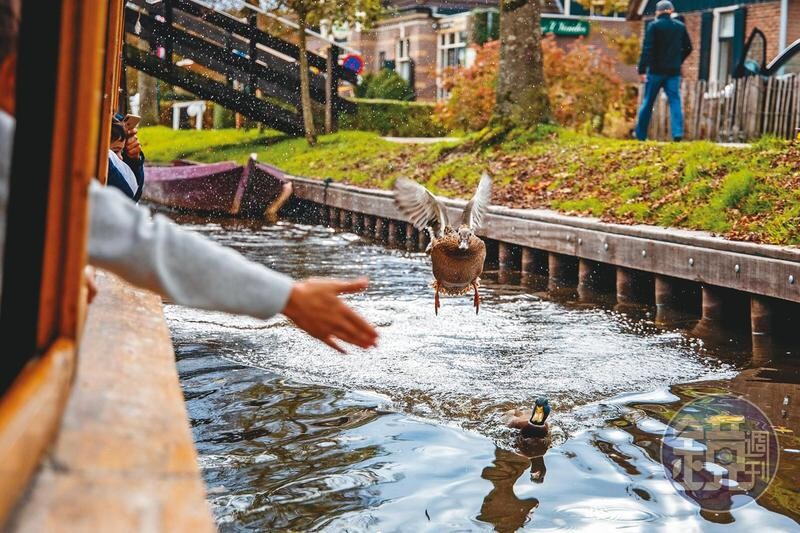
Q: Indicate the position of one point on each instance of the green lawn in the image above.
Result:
(744, 193)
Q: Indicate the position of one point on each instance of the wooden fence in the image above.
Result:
(736, 111)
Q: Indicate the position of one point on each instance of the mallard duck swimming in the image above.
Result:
(532, 424)
(457, 255)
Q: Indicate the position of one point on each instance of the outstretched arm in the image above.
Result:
(158, 255)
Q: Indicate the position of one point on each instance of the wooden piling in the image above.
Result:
(391, 238)
(503, 255)
(411, 238)
(344, 219)
(762, 330)
(533, 261)
(589, 275)
(380, 229)
(561, 271)
(633, 287)
(713, 305)
(357, 222)
(528, 265)
(492, 253)
(368, 229)
(593, 280)
(334, 217)
(761, 315)
(667, 301)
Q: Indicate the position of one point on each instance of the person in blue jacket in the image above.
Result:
(666, 46)
(125, 161)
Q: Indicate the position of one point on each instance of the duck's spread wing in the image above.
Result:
(420, 206)
(476, 209)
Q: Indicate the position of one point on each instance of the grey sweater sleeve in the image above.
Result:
(158, 255)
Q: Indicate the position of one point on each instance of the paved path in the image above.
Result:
(419, 140)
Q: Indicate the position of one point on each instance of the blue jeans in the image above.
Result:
(672, 86)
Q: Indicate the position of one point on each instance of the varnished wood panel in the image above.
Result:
(76, 128)
(29, 416)
(124, 459)
(111, 75)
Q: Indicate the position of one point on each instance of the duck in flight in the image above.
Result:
(457, 254)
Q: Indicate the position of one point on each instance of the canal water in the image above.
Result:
(408, 437)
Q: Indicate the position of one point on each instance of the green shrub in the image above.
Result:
(390, 117)
(386, 84)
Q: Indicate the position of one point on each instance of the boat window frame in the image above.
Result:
(61, 67)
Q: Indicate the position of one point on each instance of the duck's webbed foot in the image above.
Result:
(476, 300)
(436, 297)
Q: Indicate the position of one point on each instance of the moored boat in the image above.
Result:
(221, 188)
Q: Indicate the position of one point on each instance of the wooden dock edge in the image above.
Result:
(123, 458)
(765, 270)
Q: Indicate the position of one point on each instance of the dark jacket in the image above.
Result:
(115, 179)
(137, 165)
(666, 46)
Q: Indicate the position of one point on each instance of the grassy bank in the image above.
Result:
(743, 193)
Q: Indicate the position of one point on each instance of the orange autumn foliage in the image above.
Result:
(471, 101)
(581, 83)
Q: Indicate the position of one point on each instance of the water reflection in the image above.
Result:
(501, 507)
(407, 437)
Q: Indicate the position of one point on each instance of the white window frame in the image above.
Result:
(713, 75)
(403, 56)
(441, 52)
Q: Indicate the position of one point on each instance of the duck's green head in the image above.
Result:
(541, 410)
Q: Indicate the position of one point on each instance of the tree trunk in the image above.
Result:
(521, 93)
(305, 91)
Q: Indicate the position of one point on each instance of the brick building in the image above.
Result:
(419, 39)
(719, 30)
